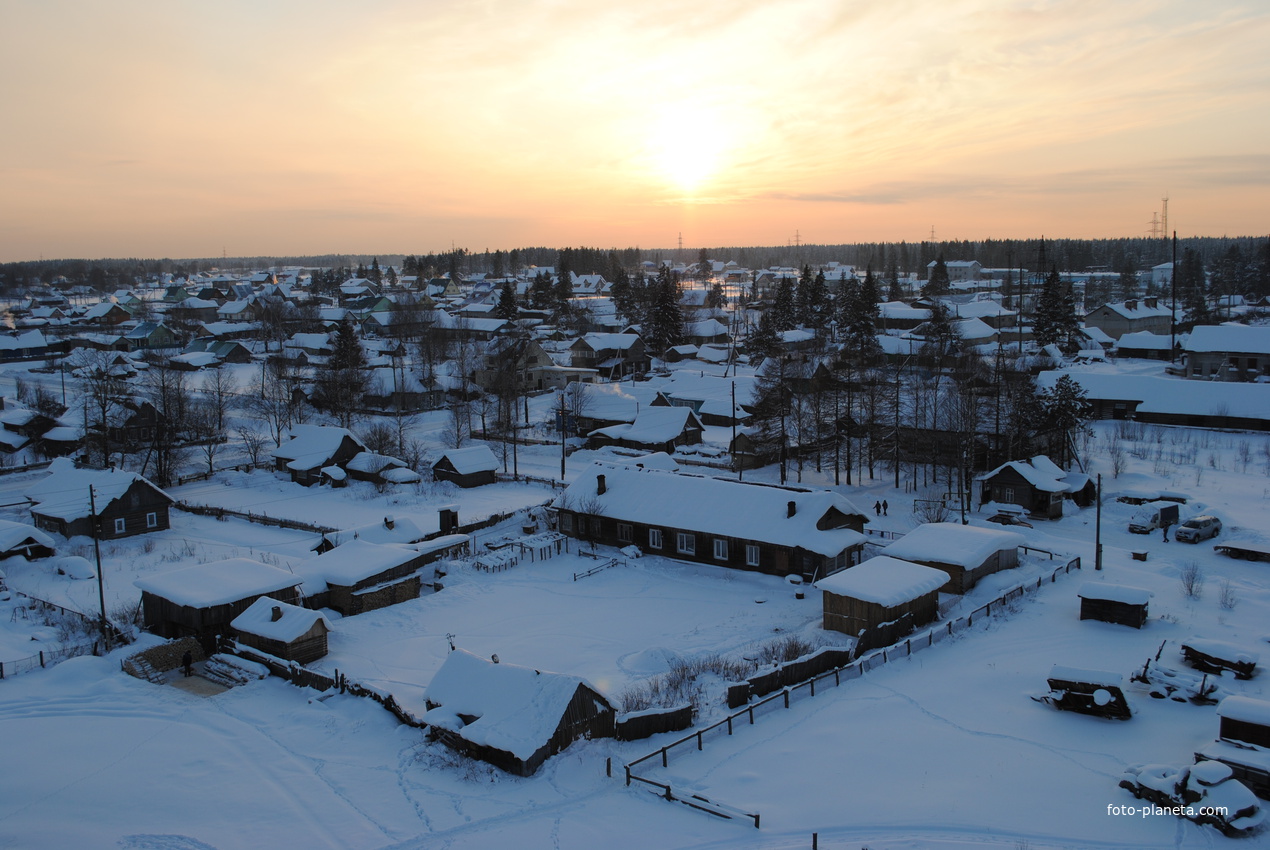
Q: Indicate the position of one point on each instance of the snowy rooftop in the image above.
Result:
(953, 543)
(294, 622)
(885, 581)
(653, 425)
(64, 492)
(1171, 395)
(351, 562)
(517, 709)
(1123, 594)
(1083, 674)
(404, 530)
(476, 458)
(1245, 709)
(15, 533)
(1230, 337)
(312, 444)
(218, 582)
(716, 506)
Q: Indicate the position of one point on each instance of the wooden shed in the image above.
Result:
(511, 716)
(1244, 742)
(1114, 603)
(201, 601)
(469, 467)
(17, 538)
(966, 552)
(881, 600)
(360, 576)
(284, 631)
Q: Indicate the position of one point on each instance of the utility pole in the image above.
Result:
(1098, 528)
(95, 524)
(1173, 301)
(564, 434)
(734, 457)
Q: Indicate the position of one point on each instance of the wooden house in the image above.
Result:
(284, 631)
(726, 523)
(967, 553)
(1123, 317)
(398, 530)
(615, 356)
(313, 447)
(1228, 352)
(1114, 603)
(201, 601)
(1039, 486)
(512, 717)
(467, 467)
(655, 429)
(360, 576)
(881, 600)
(1243, 742)
(125, 503)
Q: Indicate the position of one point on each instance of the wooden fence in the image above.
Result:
(260, 519)
(838, 675)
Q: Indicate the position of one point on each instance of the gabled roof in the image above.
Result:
(476, 458)
(717, 506)
(294, 621)
(63, 494)
(653, 425)
(517, 709)
(1229, 338)
(953, 543)
(885, 581)
(14, 534)
(354, 561)
(314, 445)
(218, 582)
(404, 530)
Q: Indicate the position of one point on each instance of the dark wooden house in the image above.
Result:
(1114, 603)
(881, 600)
(1018, 482)
(358, 576)
(313, 447)
(726, 523)
(512, 717)
(122, 503)
(284, 631)
(468, 467)
(19, 539)
(966, 552)
(201, 601)
(655, 429)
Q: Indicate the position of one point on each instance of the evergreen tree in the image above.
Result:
(894, 291)
(938, 284)
(1066, 408)
(664, 326)
(1055, 322)
(1192, 289)
(541, 293)
(564, 280)
(341, 385)
(813, 302)
(783, 315)
(858, 318)
(1126, 282)
(506, 307)
(374, 273)
(622, 294)
(940, 338)
(763, 341)
(715, 298)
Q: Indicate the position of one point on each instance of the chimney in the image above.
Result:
(389, 522)
(1150, 302)
(791, 508)
(449, 519)
(600, 485)
(277, 614)
(1131, 304)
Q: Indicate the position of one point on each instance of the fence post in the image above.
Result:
(2, 674)
(751, 715)
(663, 756)
(813, 685)
(608, 767)
(41, 658)
(698, 741)
(787, 697)
(628, 776)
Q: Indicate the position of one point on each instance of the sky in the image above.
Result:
(192, 129)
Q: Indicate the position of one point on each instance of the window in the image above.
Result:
(654, 538)
(1008, 495)
(720, 549)
(751, 554)
(121, 525)
(623, 533)
(566, 523)
(686, 544)
(581, 526)
(152, 520)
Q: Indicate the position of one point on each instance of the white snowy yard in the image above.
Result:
(945, 749)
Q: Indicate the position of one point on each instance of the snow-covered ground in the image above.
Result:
(944, 749)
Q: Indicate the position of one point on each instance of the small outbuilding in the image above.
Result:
(469, 467)
(513, 717)
(359, 576)
(881, 600)
(284, 631)
(17, 538)
(201, 601)
(1114, 603)
(967, 553)
(1244, 742)
(313, 447)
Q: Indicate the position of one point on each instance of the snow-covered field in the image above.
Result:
(944, 749)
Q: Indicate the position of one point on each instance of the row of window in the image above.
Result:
(685, 541)
(121, 523)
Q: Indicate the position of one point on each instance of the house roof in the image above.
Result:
(477, 458)
(716, 506)
(653, 425)
(218, 582)
(953, 543)
(1162, 395)
(354, 561)
(517, 709)
(1144, 340)
(1229, 338)
(313, 445)
(885, 581)
(294, 622)
(63, 494)
(404, 530)
(1114, 593)
(13, 534)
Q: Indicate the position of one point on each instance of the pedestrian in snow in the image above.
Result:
(187, 661)
(884, 507)
(877, 508)
(1166, 532)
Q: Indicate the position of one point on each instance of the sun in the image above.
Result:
(687, 153)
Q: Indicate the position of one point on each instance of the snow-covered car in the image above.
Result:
(1205, 793)
(1009, 519)
(1198, 528)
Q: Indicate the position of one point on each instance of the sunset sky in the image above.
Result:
(265, 127)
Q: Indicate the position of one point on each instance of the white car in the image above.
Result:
(1198, 528)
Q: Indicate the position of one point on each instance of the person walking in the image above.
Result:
(187, 661)
(877, 508)
(1165, 526)
(884, 507)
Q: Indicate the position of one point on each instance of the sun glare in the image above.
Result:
(687, 154)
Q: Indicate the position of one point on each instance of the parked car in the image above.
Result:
(1009, 519)
(1206, 793)
(1198, 528)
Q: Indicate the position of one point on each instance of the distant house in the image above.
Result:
(1228, 352)
(468, 467)
(284, 631)
(958, 269)
(881, 600)
(126, 504)
(1038, 485)
(398, 530)
(1146, 346)
(655, 429)
(510, 716)
(777, 530)
(201, 601)
(360, 576)
(380, 469)
(105, 313)
(614, 356)
(312, 447)
(965, 552)
(1123, 317)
